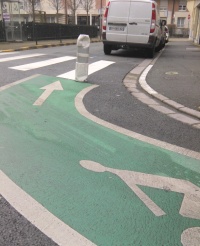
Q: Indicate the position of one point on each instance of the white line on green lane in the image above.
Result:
(46, 222)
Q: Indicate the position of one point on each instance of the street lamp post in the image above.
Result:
(66, 19)
(20, 24)
(33, 12)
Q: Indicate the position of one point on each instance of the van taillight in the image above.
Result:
(105, 16)
(153, 18)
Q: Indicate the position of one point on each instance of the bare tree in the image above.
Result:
(73, 5)
(87, 6)
(31, 5)
(57, 5)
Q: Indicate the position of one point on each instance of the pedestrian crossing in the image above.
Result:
(5, 59)
(10, 53)
(44, 63)
(92, 68)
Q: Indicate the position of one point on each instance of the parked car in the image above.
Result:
(166, 34)
(133, 24)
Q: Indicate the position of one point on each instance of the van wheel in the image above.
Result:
(107, 49)
(151, 52)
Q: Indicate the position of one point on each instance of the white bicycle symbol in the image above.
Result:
(190, 206)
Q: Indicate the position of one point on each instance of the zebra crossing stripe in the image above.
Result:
(10, 53)
(94, 67)
(45, 63)
(19, 57)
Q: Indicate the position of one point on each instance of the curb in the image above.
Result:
(153, 99)
(155, 94)
(39, 46)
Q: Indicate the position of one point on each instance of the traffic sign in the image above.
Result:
(6, 17)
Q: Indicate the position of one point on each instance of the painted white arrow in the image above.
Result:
(48, 90)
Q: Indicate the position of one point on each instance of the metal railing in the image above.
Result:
(47, 31)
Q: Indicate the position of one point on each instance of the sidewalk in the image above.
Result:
(26, 45)
(175, 76)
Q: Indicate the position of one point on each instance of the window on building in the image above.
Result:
(82, 20)
(15, 7)
(21, 5)
(37, 4)
(25, 5)
(95, 20)
(163, 5)
(182, 5)
(180, 22)
(163, 8)
(51, 19)
(25, 19)
(70, 19)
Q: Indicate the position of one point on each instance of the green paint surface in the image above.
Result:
(41, 147)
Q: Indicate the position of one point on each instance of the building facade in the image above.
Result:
(177, 15)
(194, 9)
(46, 11)
(182, 16)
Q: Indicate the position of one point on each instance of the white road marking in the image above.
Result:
(146, 200)
(191, 237)
(19, 57)
(83, 111)
(143, 83)
(48, 90)
(190, 206)
(151, 102)
(46, 222)
(2, 88)
(55, 233)
(8, 53)
(45, 63)
(94, 67)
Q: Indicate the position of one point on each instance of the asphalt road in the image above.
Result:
(16, 230)
(110, 101)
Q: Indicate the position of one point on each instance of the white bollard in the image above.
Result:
(83, 44)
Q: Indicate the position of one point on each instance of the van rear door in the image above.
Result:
(139, 22)
(117, 20)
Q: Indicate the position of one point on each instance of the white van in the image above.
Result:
(132, 24)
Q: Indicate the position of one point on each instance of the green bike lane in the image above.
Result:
(109, 187)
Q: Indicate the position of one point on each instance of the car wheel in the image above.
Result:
(107, 49)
